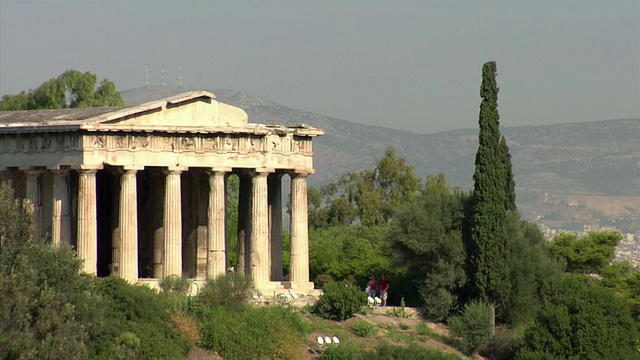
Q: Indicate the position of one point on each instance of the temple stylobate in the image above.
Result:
(141, 191)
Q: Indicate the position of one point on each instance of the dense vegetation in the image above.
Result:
(458, 255)
(72, 89)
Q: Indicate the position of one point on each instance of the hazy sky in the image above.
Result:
(405, 65)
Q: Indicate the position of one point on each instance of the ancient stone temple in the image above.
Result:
(140, 191)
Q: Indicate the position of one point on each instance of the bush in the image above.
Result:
(403, 326)
(321, 280)
(472, 329)
(135, 309)
(231, 290)
(255, 333)
(339, 301)
(581, 320)
(176, 284)
(364, 329)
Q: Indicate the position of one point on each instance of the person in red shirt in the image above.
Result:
(384, 290)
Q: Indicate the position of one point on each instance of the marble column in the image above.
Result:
(172, 224)
(34, 196)
(274, 183)
(60, 224)
(259, 230)
(87, 220)
(216, 225)
(128, 220)
(299, 233)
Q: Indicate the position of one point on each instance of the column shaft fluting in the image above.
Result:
(60, 226)
(87, 221)
(216, 226)
(299, 230)
(275, 226)
(128, 220)
(259, 229)
(172, 224)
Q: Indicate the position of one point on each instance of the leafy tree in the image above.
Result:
(343, 252)
(588, 254)
(489, 251)
(531, 266)
(624, 279)
(581, 320)
(71, 89)
(369, 197)
(427, 238)
(45, 301)
(472, 328)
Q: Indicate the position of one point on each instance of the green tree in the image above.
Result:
(581, 320)
(427, 238)
(369, 197)
(45, 300)
(624, 279)
(510, 182)
(587, 254)
(531, 266)
(489, 251)
(71, 89)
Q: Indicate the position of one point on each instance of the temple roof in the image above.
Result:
(195, 111)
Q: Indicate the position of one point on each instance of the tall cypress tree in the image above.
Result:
(489, 269)
(510, 204)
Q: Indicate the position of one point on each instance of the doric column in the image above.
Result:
(259, 230)
(274, 182)
(216, 225)
(172, 224)
(128, 220)
(60, 225)
(299, 232)
(87, 220)
(34, 195)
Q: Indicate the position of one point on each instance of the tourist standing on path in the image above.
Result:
(384, 290)
(372, 287)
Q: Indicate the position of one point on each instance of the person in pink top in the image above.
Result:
(384, 290)
(372, 287)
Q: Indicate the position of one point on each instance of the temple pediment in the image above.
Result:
(196, 109)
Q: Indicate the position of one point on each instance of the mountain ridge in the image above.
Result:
(559, 161)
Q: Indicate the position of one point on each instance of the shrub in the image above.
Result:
(139, 310)
(231, 290)
(403, 326)
(176, 284)
(364, 329)
(339, 301)
(321, 280)
(187, 325)
(471, 329)
(255, 333)
(400, 312)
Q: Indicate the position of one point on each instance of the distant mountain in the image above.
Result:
(587, 159)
